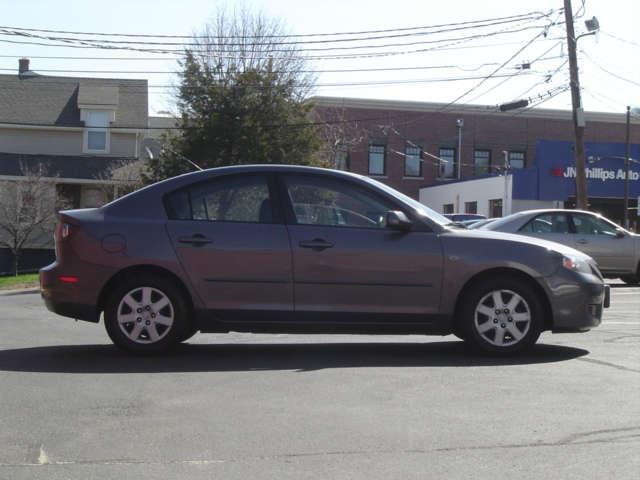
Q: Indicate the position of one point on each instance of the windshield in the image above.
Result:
(500, 221)
(419, 207)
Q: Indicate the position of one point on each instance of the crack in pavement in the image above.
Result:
(608, 364)
(629, 434)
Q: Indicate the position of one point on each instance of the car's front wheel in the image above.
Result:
(501, 315)
(146, 314)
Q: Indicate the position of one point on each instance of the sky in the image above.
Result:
(609, 62)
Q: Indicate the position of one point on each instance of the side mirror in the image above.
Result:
(619, 234)
(397, 220)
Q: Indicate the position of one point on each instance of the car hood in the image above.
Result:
(522, 239)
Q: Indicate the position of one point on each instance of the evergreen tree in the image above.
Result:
(242, 100)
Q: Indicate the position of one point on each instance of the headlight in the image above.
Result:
(576, 264)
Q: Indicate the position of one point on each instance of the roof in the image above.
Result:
(61, 166)
(446, 108)
(44, 100)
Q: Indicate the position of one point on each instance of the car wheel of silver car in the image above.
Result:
(502, 315)
(146, 314)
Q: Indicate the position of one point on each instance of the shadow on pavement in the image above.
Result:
(247, 357)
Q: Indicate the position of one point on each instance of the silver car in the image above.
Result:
(616, 250)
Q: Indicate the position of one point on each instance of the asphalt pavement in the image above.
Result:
(243, 406)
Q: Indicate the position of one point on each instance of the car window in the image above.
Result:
(591, 225)
(552, 222)
(234, 199)
(323, 201)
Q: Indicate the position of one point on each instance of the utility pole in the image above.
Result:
(578, 113)
(460, 124)
(626, 171)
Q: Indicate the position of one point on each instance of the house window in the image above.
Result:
(447, 208)
(495, 207)
(516, 160)
(412, 161)
(96, 133)
(481, 160)
(447, 166)
(376, 159)
(470, 207)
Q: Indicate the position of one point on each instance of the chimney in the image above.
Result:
(23, 65)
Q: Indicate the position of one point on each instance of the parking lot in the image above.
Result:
(302, 406)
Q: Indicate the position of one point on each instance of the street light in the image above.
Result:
(460, 124)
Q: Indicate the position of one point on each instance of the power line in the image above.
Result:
(70, 84)
(276, 41)
(466, 68)
(363, 32)
(615, 75)
(493, 74)
(180, 53)
(101, 44)
(620, 39)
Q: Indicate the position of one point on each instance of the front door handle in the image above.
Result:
(582, 241)
(317, 244)
(195, 239)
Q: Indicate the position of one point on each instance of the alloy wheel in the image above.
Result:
(502, 318)
(145, 315)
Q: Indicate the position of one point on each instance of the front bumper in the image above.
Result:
(577, 301)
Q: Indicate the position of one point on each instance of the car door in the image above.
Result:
(554, 226)
(345, 258)
(604, 241)
(230, 238)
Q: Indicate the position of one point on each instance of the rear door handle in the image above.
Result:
(582, 241)
(195, 239)
(317, 244)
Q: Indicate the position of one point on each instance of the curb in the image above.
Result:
(21, 291)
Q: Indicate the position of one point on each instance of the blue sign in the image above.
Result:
(553, 175)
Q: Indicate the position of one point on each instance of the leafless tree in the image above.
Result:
(28, 213)
(244, 40)
(339, 135)
(120, 178)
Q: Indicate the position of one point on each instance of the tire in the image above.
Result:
(511, 326)
(630, 279)
(190, 332)
(134, 327)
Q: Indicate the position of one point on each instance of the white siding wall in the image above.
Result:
(481, 191)
(59, 142)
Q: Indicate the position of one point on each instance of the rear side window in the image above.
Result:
(548, 223)
(235, 199)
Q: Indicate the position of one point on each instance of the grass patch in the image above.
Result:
(27, 280)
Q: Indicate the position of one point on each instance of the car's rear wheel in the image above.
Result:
(146, 314)
(501, 316)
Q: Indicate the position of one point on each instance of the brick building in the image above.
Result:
(411, 145)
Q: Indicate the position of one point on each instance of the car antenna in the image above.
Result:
(150, 155)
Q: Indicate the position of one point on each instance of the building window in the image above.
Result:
(481, 161)
(447, 166)
(470, 207)
(447, 208)
(516, 160)
(495, 208)
(376, 159)
(413, 161)
(96, 133)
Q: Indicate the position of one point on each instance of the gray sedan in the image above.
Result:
(616, 250)
(295, 249)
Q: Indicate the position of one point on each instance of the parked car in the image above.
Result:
(616, 250)
(473, 224)
(463, 217)
(299, 249)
